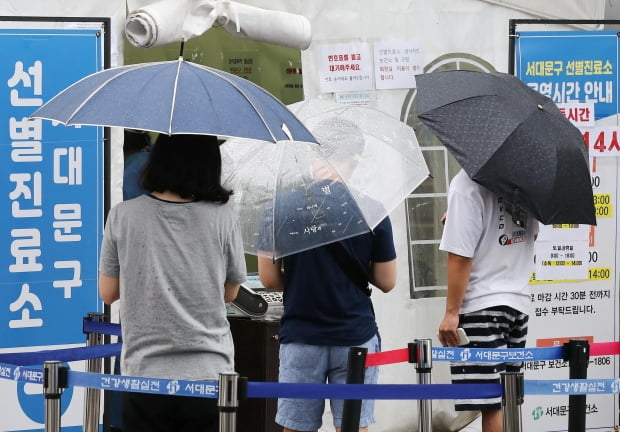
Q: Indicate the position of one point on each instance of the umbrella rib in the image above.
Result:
(224, 76)
(274, 195)
(174, 94)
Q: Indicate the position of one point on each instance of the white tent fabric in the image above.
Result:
(154, 23)
(556, 9)
(444, 29)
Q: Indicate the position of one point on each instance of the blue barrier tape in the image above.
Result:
(63, 355)
(209, 389)
(343, 391)
(20, 373)
(98, 327)
(495, 355)
(373, 391)
(572, 387)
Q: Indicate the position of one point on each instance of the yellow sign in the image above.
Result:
(594, 274)
(603, 206)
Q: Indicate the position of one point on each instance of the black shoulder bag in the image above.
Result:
(356, 272)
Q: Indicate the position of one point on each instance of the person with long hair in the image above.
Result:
(174, 258)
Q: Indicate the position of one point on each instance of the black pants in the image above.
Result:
(143, 412)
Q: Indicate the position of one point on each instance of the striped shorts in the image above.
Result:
(495, 327)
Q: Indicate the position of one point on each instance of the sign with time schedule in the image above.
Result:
(579, 71)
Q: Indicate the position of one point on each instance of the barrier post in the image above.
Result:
(420, 353)
(577, 354)
(512, 399)
(92, 397)
(352, 408)
(227, 401)
(54, 381)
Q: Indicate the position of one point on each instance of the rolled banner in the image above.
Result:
(167, 21)
(154, 23)
(276, 27)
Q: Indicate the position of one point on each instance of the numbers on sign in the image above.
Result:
(602, 199)
(599, 273)
(602, 211)
(593, 256)
(601, 361)
(602, 204)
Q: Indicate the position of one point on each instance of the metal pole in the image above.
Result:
(92, 397)
(577, 354)
(228, 402)
(352, 408)
(54, 381)
(512, 400)
(420, 353)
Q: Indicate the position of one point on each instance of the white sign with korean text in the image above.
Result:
(345, 67)
(575, 67)
(562, 252)
(562, 260)
(356, 98)
(397, 64)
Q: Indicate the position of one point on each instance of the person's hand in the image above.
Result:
(443, 218)
(447, 330)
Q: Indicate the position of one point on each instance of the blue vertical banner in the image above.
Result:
(51, 197)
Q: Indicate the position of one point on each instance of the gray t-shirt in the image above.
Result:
(172, 260)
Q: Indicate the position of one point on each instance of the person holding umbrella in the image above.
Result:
(327, 308)
(490, 261)
(174, 257)
(136, 147)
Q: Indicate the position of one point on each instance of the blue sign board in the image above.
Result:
(571, 66)
(51, 190)
(51, 200)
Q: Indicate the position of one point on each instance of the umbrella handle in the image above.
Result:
(518, 213)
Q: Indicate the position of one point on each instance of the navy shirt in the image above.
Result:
(322, 306)
(131, 175)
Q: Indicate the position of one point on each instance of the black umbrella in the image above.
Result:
(512, 140)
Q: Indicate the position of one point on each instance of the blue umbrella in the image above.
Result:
(175, 97)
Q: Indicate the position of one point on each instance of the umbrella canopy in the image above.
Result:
(294, 196)
(512, 140)
(175, 97)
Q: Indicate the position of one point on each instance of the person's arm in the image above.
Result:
(383, 275)
(230, 291)
(459, 269)
(270, 273)
(109, 288)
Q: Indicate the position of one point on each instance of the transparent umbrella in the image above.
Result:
(293, 196)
